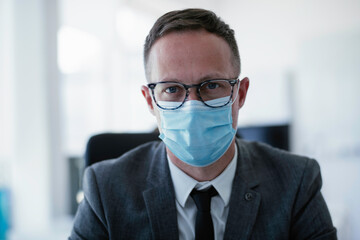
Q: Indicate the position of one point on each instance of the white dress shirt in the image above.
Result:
(186, 208)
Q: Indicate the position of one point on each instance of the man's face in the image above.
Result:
(191, 57)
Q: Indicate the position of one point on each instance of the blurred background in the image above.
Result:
(70, 69)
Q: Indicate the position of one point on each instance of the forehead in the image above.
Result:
(190, 56)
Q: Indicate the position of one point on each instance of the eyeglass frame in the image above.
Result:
(232, 82)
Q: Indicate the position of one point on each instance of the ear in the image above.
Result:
(244, 86)
(146, 93)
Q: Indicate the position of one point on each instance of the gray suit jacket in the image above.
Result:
(275, 195)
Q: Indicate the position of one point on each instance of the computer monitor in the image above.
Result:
(274, 135)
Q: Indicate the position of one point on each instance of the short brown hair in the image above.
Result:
(192, 19)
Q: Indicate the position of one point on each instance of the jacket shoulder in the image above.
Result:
(136, 162)
(264, 154)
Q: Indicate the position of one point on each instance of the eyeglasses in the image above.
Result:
(172, 95)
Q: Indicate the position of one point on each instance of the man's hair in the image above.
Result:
(191, 19)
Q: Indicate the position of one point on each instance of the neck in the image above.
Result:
(207, 173)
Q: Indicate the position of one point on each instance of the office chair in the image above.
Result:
(112, 145)
(107, 146)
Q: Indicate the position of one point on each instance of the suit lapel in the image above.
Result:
(160, 199)
(244, 201)
(242, 213)
(162, 213)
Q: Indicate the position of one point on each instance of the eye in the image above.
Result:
(212, 85)
(172, 89)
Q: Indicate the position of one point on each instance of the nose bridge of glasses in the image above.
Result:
(192, 92)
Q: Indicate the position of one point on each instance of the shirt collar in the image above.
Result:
(184, 184)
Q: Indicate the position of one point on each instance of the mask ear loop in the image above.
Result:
(237, 92)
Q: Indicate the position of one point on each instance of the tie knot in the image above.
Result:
(202, 199)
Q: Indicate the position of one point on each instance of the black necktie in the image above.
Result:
(204, 229)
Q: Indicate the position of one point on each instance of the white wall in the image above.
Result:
(6, 84)
(327, 119)
(32, 143)
(30, 115)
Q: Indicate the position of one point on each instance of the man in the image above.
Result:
(200, 182)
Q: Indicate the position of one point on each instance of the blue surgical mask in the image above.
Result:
(196, 134)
